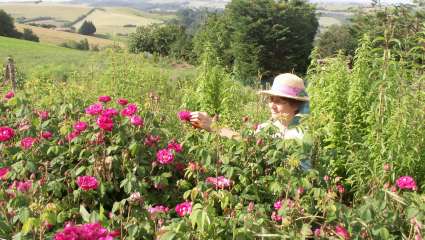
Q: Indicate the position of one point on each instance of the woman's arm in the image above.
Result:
(204, 121)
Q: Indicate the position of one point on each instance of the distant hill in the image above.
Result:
(52, 36)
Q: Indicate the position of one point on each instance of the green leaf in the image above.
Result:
(28, 225)
(84, 214)
(170, 235)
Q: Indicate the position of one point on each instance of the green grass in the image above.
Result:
(29, 55)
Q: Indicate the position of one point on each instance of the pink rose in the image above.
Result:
(130, 110)
(72, 135)
(158, 209)
(6, 133)
(104, 99)
(219, 182)
(43, 115)
(46, 135)
(122, 101)
(9, 95)
(24, 186)
(406, 182)
(277, 205)
(151, 140)
(85, 231)
(317, 232)
(251, 206)
(80, 126)
(276, 217)
(136, 120)
(94, 109)
(110, 112)
(3, 173)
(340, 188)
(164, 156)
(184, 116)
(28, 142)
(342, 232)
(173, 145)
(87, 183)
(105, 123)
(183, 209)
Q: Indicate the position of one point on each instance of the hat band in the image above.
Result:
(292, 91)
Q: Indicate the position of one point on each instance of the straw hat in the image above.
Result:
(288, 85)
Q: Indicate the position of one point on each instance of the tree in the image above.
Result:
(169, 39)
(334, 39)
(87, 28)
(29, 35)
(265, 35)
(7, 26)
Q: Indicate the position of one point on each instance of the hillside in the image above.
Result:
(28, 55)
(52, 36)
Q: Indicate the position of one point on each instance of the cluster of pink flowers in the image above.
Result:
(110, 112)
(79, 127)
(220, 182)
(94, 109)
(87, 183)
(184, 208)
(406, 182)
(9, 95)
(184, 116)
(158, 209)
(165, 156)
(6, 133)
(28, 142)
(130, 110)
(3, 173)
(89, 231)
(21, 186)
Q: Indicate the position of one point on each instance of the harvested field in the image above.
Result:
(57, 37)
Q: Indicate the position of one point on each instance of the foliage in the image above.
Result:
(82, 45)
(29, 35)
(7, 26)
(87, 28)
(369, 116)
(167, 39)
(336, 38)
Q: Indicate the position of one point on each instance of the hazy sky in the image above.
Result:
(357, 1)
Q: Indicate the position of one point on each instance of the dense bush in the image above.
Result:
(29, 35)
(81, 45)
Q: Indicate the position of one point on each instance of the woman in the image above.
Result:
(286, 97)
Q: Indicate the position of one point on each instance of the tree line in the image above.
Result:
(261, 38)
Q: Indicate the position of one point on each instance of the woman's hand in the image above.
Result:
(201, 120)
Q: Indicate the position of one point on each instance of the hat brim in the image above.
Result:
(279, 94)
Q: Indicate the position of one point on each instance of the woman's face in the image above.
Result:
(281, 108)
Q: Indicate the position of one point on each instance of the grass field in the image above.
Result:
(51, 36)
(60, 12)
(112, 20)
(28, 55)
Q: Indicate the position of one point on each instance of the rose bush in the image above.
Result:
(144, 183)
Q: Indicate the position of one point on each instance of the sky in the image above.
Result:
(356, 1)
